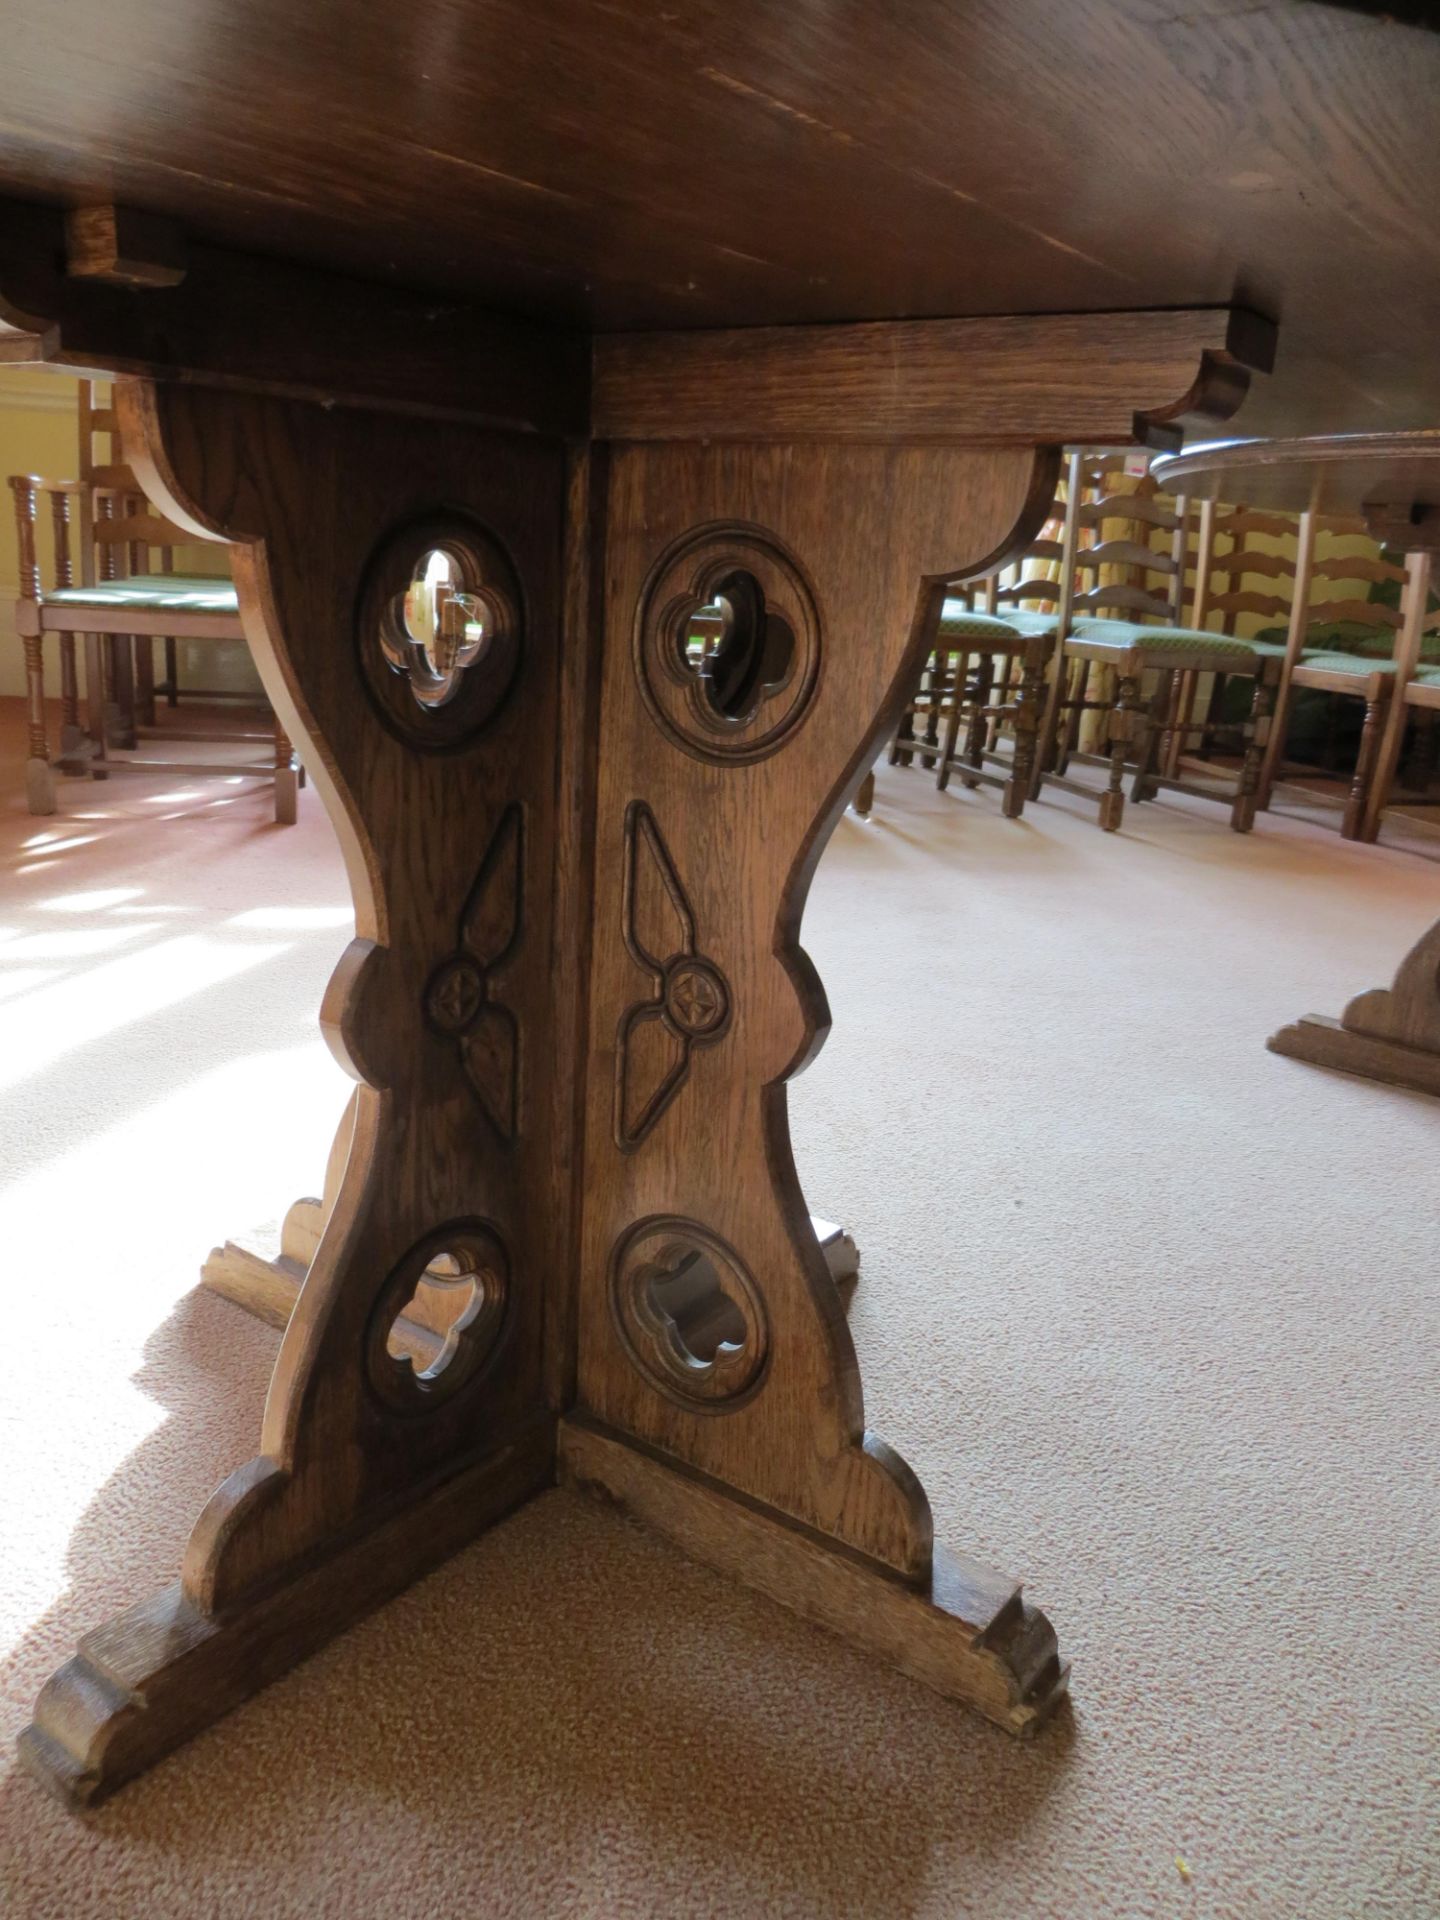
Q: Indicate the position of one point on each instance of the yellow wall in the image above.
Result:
(39, 411)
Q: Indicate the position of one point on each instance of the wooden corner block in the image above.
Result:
(126, 248)
(966, 1631)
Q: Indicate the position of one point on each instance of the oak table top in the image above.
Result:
(1392, 480)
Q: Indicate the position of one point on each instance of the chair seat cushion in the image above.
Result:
(959, 622)
(169, 592)
(1158, 641)
(1427, 676)
(1351, 663)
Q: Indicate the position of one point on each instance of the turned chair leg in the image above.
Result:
(952, 726)
(287, 784)
(979, 694)
(39, 774)
(938, 683)
(1127, 703)
(1350, 825)
(1026, 727)
(1257, 733)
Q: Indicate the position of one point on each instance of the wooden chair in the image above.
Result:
(113, 609)
(1150, 641)
(1364, 650)
(1414, 686)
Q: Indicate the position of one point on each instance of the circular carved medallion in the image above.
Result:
(453, 997)
(727, 644)
(688, 1312)
(695, 997)
(438, 628)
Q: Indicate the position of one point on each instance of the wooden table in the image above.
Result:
(1392, 481)
(629, 312)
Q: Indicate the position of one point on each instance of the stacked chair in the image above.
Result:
(115, 586)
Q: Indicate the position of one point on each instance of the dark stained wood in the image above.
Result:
(731, 163)
(1392, 480)
(268, 326)
(1096, 378)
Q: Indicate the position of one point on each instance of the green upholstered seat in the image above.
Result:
(1034, 626)
(1158, 641)
(958, 622)
(171, 592)
(1329, 661)
(1427, 676)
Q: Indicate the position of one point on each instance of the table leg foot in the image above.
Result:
(164, 1670)
(962, 1629)
(1391, 1033)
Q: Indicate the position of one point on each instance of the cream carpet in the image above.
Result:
(1152, 1312)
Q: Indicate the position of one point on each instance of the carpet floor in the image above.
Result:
(1151, 1311)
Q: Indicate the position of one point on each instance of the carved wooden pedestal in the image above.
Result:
(584, 716)
(1390, 1033)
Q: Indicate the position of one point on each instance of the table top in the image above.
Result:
(1387, 477)
(684, 163)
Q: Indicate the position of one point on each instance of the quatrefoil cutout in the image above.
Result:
(433, 631)
(439, 1317)
(439, 631)
(688, 1312)
(727, 644)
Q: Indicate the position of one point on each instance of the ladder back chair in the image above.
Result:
(119, 600)
(1360, 650)
(985, 672)
(1146, 640)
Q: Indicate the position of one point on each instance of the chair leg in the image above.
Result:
(120, 690)
(900, 747)
(939, 680)
(864, 794)
(952, 726)
(39, 774)
(1257, 733)
(1112, 801)
(287, 785)
(1176, 733)
(1070, 734)
(979, 695)
(172, 673)
(1354, 816)
(72, 737)
(145, 680)
(1026, 728)
(96, 710)
(1159, 732)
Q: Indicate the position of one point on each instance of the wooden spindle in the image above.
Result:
(60, 505)
(23, 486)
